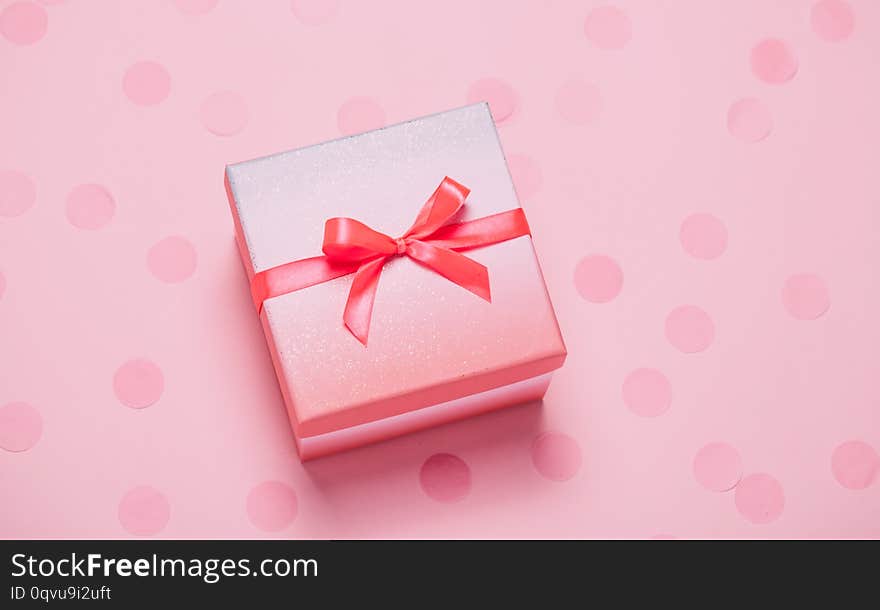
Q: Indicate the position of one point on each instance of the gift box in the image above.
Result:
(395, 279)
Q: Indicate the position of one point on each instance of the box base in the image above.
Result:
(311, 447)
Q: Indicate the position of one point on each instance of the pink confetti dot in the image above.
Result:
(23, 23)
(224, 113)
(556, 456)
(703, 236)
(717, 466)
(579, 102)
(805, 296)
(314, 12)
(773, 61)
(647, 392)
(445, 478)
(749, 120)
(20, 426)
(359, 114)
(146, 83)
(832, 20)
(272, 506)
(608, 28)
(90, 206)
(138, 383)
(855, 464)
(17, 193)
(759, 498)
(195, 7)
(598, 278)
(689, 329)
(526, 175)
(144, 511)
(500, 95)
(172, 260)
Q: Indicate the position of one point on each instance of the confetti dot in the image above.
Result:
(832, 20)
(224, 113)
(17, 193)
(500, 95)
(608, 27)
(855, 464)
(689, 329)
(579, 102)
(23, 23)
(773, 61)
(138, 383)
(526, 175)
(703, 236)
(314, 12)
(146, 83)
(144, 511)
(598, 278)
(20, 426)
(90, 206)
(556, 456)
(749, 120)
(805, 296)
(647, 392)
(717, 467)
(272, 506)
(759, 498)
(195, 7)
(360, 114)
(172, 260)
(445, 478)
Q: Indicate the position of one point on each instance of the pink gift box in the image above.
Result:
(436, 351)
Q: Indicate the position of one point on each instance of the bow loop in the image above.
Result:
(347, 239)
(441, 206)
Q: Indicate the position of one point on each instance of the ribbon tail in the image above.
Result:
(359, 306)
(454, 266)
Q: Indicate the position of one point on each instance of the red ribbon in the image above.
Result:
(351, 246)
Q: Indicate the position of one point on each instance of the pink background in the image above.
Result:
(701, 182)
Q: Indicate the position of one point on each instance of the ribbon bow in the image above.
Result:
(351, 246)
